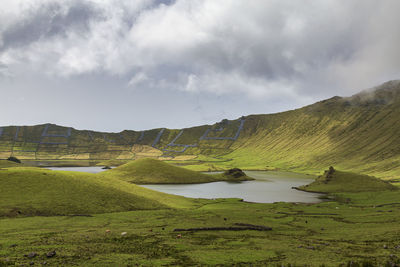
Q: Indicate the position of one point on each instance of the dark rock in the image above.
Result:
(225, 219)
(51, 254)
(106, 168)
(32, 255)
(14, 159)
(235, 172)
(329, 173)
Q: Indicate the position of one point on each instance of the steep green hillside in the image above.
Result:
(333, 181)
(358, 134)
(153, 171)
(35, 191)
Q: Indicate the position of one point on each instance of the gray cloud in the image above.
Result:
(276, 51)
(49, 21)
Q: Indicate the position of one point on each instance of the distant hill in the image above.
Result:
(357, 133)
(153, 171)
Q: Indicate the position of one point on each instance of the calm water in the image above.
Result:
(93, 169)
(268, 187)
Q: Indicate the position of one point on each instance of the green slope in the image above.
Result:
(153, 171)
(357, 134)
(35, 191)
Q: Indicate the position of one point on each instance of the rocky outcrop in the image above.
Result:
(235, 173)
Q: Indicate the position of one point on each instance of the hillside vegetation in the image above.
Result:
(153, 171)
(35, 191)
(357, 134)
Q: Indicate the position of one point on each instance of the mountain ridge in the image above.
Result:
(356, 133)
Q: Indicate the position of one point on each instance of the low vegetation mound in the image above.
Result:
(333, 181)
(36, 191)
(153, 171)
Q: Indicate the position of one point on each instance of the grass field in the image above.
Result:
(329, 233)
(351, 227)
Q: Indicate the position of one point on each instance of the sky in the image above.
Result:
(110, 65)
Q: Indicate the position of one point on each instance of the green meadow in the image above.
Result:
(100, 220)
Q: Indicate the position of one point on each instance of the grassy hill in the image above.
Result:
(35, 191)
(153, 171)
(8, 164)
(333, 181)
(357, 134)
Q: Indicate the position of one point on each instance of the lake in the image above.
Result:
(269, 187)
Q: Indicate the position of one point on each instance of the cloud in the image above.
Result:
(4, 71)
(138, 79)
(259, 49)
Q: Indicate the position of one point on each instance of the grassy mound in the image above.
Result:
(8, 163)
(152, 171)
(35, 191)
(333, 181)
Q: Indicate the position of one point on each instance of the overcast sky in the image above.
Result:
(110, 65)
